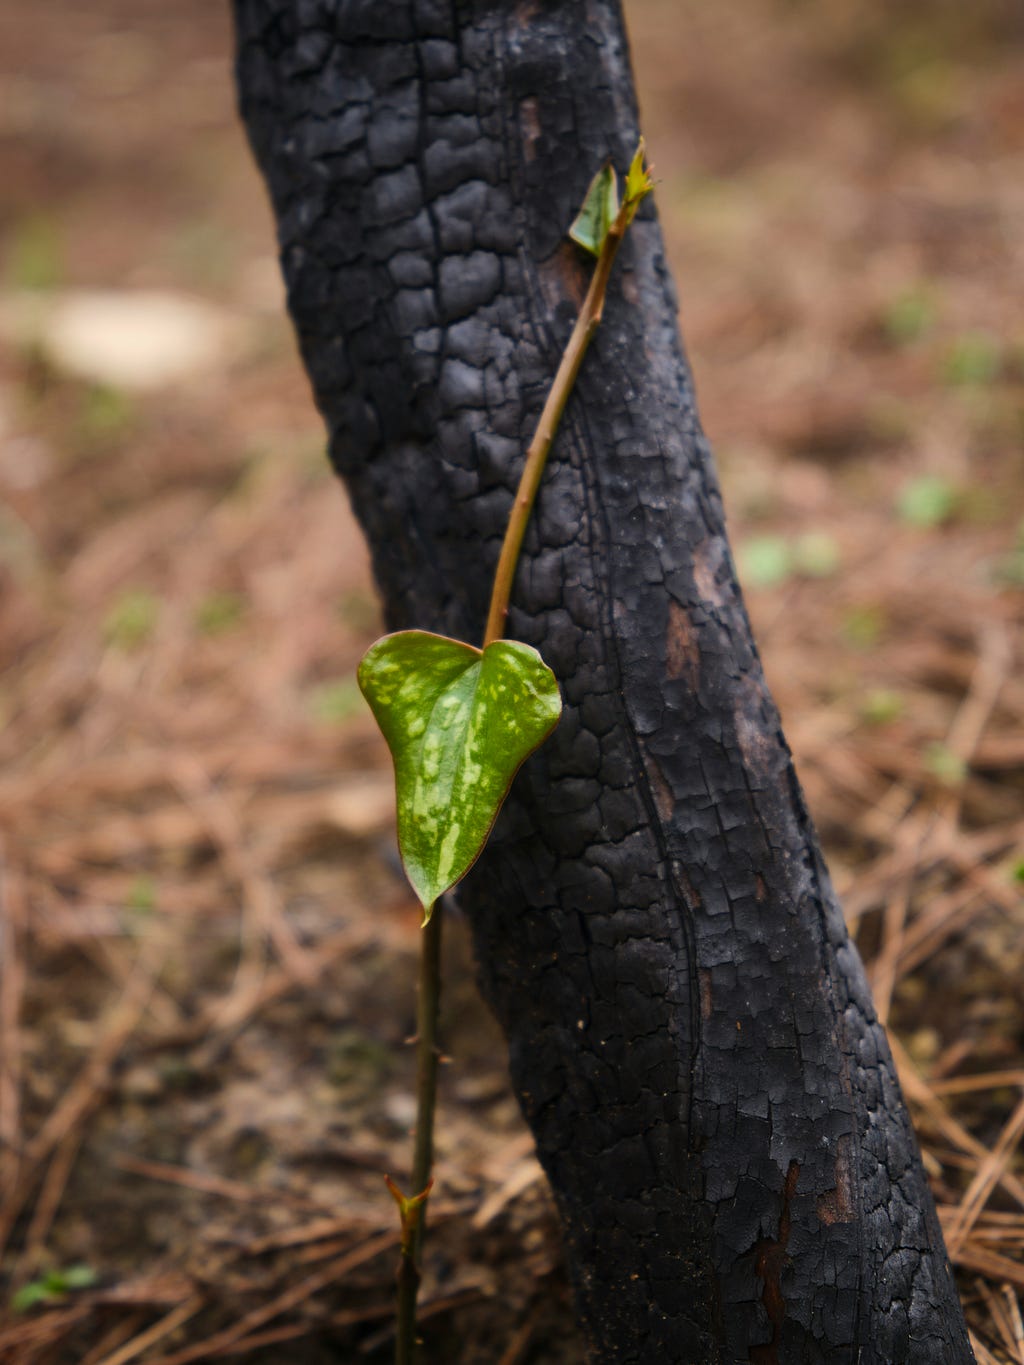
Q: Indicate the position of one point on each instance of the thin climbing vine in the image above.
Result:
(460, 720)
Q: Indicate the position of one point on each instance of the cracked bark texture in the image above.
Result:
(690, 1033)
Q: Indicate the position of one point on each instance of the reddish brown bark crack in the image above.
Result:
(682, 650)
(769, 1261)
(704, 979)
(837, 1205)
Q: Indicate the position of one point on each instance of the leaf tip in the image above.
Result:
(639, 181)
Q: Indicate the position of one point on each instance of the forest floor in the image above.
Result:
(207, 953)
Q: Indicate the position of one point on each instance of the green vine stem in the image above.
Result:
(428, 1053)
(613, 222)
(427, 1063)
(587, 323)
(413, 1211)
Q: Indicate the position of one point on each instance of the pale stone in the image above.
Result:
(128, 339)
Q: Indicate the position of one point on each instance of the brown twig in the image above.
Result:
(920, 1092)
(12, 988)
(86, 1091)
(268, 918)
(981, 1351)
(521, 1339)
(205, 1183)
(48, 1201)
(171, 1321)
(989, 1174)
(120, 1333)
(988, 1080)
(222, 1342)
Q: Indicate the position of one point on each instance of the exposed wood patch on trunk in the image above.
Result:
(704, 979)
(529, 122)
(770, 1261)
(563, 276)
(690, 893)
(706, 557)
(660, 790)
(837, 1205)
(757, 745)
(682, 653)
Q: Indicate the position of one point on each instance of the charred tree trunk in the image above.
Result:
(691, 1036)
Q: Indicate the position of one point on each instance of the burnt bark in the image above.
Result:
(690, 1032)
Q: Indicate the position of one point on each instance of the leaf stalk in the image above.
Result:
(427, 1059)
(587, 322)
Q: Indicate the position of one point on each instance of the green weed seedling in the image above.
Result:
(53, 1286)
(333, 703)
(927, 501)
(132, 619)
(219, 613)
(35, 254)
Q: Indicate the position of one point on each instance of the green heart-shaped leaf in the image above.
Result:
(591, 224)
(459, 722)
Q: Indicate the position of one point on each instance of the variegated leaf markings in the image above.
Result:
(459, 722)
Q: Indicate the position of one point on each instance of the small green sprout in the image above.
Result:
(816, 554)
(881, 706)
(910, 315)
(927, 501)
(219, 612)
(764, 561)
(35, 254)
(974, 358)
(141, 897)
(53, 1286)
(132, 619)
(862, 625)
(944, 765)
(332, 703)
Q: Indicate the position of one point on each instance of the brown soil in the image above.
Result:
(207, 953)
